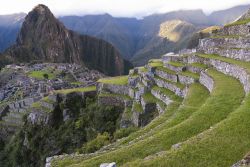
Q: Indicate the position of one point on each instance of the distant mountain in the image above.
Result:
(43, 38)
(9, 28)
(105, 27)
(138, 39)
(225, 16)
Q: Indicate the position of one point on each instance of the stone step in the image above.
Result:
(12, 120)
(234, 53)
(175, 66)
(223, 41)
(166, 73)
(188, 77)
(235, 68)
(20, 110)
(177, 88)
(196, 67)
(161, 95)
(16, 114)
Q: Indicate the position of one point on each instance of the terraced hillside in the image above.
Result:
(193, 109)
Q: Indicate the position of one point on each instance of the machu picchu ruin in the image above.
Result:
(72, 100)
(192, 108)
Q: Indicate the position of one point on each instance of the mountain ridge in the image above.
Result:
(132, 36)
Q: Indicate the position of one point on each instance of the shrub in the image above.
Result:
(94, 145)
(124, 132)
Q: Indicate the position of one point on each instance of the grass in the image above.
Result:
(120, 80)
(138, 107)
(239, 22)
(176, 64)
(84, 89)
(143, 69)
(156, 64)
(164, 69)
(190, 74)
(223, 145)
(178, 84)
(155, 61)
(155, 141)
(168, 93)
(149, 98)
(199, 65)
(76, 83)
(225, 98)
(243, 64)
(40, 74)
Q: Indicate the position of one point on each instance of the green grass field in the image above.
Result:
(40, 74)
(120, 80)
(84, 89)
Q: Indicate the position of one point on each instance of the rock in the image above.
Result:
(113, 164)
(176, 146)
(66, 114)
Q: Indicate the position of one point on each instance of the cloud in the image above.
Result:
(137, 8)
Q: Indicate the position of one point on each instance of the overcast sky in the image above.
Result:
(128, 8)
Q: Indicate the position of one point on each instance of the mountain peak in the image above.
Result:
(41, 9)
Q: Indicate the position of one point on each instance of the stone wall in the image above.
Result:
(178, 91)
(111, 101)
(39, 117)
(233, 70)
(235, 30)
(174, 68)
(207, 81)
(162, 74)
(194, 69)
(161, 96)
(234, 53)
(224, 42)
(112, 88)
(228, 69)
(186, 80)
(167, 59)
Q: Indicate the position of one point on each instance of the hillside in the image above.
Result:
(43, 38)
(193, 108)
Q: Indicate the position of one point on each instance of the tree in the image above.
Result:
(46, 76)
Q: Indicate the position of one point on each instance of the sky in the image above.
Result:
(118, 8)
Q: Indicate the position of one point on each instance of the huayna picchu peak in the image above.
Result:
(43, 38)
(61, 106)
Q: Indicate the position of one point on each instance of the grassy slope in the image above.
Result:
(120, 80)
(196, 97)
(40, 74)
(224, 145)
(225, 98)
(197, 155)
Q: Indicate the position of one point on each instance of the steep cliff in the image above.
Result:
(43, 38)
